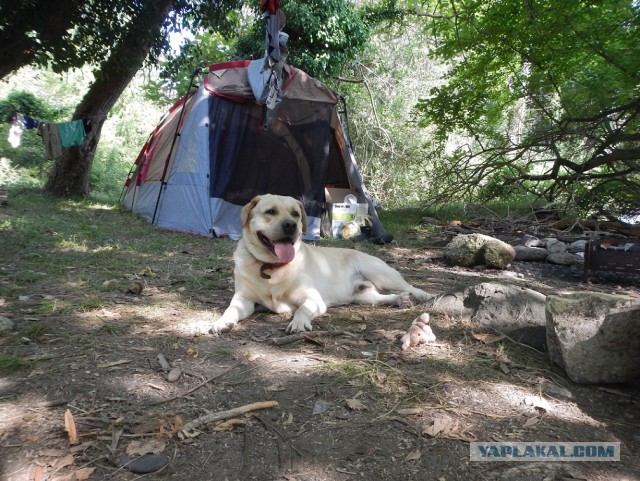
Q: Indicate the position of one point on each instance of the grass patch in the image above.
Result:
(10, 364)
(35, 332)
(113, 329)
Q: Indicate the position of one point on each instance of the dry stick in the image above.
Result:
(275, 430)
(186, 431)
(203, 383)
(281, 341)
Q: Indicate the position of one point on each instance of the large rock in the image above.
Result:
(524, 253)
(595, 337)
(512, 310)
(564, 259)
(475, 249)
(6, 325)
(531, 241)
(554, 246)
(577, 246)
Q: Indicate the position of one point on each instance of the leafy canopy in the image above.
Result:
(544, 96)
(324, 36)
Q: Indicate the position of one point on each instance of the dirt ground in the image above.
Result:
(351, 405)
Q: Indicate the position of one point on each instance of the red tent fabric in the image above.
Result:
(270, 6)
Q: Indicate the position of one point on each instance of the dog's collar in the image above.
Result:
(267, 266)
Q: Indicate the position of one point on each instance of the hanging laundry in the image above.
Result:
(51, 140)
(71, 133)
(30, 123)
(16, 129)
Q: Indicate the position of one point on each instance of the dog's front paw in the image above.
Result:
(404, 300)
(299, 325)
(422, 296)
(222, 325)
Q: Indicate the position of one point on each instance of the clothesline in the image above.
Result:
(55, 136)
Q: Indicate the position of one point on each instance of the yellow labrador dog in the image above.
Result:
(274, 268)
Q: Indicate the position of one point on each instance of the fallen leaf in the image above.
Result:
(320, 406)
(51, 453)
(81, 447)
(177, 424)
(414, 455)
(113, 363)
(531, 421)
(345, 471)
(115, 439)
(148, 272)
(355, 404)
(409, 411)
(83, 474)
(140, 448)
(440, 425)
(70, 426)
(487, 338)
(537, 402)
(63, 462)
(37, 475)
(366, 449)
(230, 424)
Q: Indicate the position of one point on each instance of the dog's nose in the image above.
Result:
(288, 227)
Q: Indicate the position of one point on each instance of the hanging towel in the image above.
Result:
(51, 140)
(71, 133)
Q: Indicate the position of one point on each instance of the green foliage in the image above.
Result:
(543, 94)
(9, 364)
(28, 158)
(324, 36)
(178, 68)
(27, 104)
(131, 121)
(389, 77)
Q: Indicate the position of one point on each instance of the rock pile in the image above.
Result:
(469, 250)
(550, 250)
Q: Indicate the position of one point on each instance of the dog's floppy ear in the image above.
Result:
(245, 216)
(304, 217)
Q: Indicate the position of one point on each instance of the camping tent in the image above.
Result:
(209, 156)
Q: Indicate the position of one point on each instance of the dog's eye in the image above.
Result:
(271, 212)
(295, 213)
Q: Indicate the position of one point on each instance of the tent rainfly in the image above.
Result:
(210, 155)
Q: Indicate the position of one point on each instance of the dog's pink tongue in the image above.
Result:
(284, 251)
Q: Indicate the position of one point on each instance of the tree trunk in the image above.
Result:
(70, 174)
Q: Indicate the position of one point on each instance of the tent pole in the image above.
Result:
(163, 179)
(124, 187)
(343, 100)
